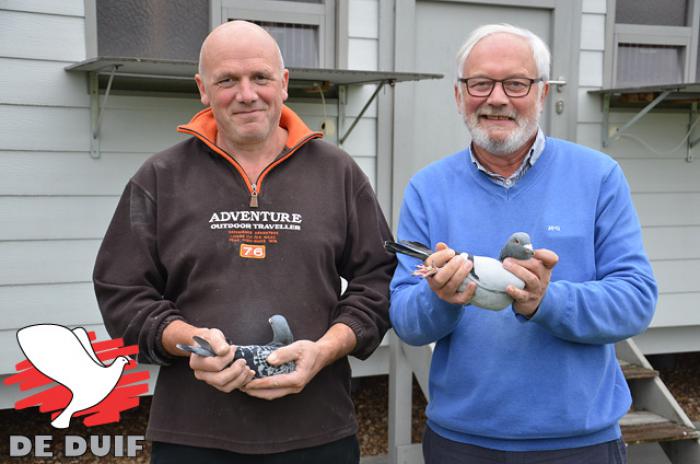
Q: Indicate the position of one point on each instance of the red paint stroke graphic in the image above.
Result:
(54, 399)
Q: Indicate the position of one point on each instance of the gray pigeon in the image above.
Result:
(255, 355)
(488, 274)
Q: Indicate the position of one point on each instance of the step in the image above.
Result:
(646, 427)
(634, 371)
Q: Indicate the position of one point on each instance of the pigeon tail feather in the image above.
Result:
(406, 247)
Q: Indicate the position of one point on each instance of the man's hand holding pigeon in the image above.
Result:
(452, 269)
(214, 370)
(536, 272)
(310, 357)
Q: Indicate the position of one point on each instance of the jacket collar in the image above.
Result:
(203, 126)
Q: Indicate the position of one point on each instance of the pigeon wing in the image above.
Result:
(55, 351)
(84, 339)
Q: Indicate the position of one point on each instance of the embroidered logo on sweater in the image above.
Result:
(253, 230)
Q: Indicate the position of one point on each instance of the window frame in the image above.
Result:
(640, 34)
(321, 15)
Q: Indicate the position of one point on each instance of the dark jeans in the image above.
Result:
(344, 451)
(439, 450)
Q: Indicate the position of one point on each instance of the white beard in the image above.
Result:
(525, 129)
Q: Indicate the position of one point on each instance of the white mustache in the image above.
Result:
(489, 112)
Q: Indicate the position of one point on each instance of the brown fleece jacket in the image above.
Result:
(188, 242)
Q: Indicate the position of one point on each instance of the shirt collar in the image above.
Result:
(532, 156)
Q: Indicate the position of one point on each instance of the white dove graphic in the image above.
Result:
(66, 356)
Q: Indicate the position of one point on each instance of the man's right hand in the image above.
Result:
(216, 371)
(452, 269)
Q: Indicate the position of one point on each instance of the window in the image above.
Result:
(654, 42)
(304, 29)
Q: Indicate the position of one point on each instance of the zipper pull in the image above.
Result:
(254, 197)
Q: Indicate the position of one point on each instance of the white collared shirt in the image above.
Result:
(529, 161)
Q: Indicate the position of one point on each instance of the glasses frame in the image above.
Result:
(465, 81)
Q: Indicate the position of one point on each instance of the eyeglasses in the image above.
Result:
(514, 87)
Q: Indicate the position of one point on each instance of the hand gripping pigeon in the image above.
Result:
(66, 356)
(255, 355)
(488, 274)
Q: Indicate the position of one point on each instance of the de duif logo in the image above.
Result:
(83, 377)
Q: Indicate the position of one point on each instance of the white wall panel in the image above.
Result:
(677, 309)
(47, 262)
(66, 304)
(41, 218)
(669, 340)
(38, 128)
(662, 175)
(29, 82)
(591, 68)
(358, 95)
(363, 54)
(68, 129)
(363, 19)
(677, 276)
(672, 243)
(36, 173)
(668, 209)
(42, 36)
(63, 7)
(593, 6)
(362, 140)
(589, 106)
(593, 32)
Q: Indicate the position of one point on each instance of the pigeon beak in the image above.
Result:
(528, 246)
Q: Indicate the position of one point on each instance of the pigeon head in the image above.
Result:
(281, 333)
(518, 246)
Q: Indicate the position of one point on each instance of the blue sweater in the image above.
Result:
(501, 381)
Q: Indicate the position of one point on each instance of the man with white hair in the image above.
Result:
(249, 217)
(539, 381)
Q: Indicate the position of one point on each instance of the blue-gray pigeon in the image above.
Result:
(255, 355)
(488, 274)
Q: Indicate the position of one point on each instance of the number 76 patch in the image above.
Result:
(252, 251)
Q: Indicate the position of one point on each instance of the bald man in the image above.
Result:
(251, 216)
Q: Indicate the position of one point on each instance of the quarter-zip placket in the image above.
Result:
(254, 188)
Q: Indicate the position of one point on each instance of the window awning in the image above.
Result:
(167, 77)
(682, 96)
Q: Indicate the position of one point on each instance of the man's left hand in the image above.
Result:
(536, 272)
(307, 356)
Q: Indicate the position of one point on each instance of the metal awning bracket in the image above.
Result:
(607, 138)
(364, 109)
(97, 108)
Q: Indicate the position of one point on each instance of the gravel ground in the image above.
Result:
(371, 399)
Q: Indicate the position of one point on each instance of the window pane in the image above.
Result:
(298, 42)
(648, 64)
(164, 29)
(652, 12)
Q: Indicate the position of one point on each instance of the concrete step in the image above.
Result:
(634, 371)
(646, 427)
